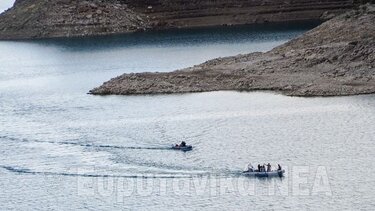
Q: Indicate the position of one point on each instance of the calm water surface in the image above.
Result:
(63, 149)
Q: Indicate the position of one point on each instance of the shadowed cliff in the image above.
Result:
(71, 18)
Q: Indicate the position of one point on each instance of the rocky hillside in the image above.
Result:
(192, 13)
(66, 18)
(336, 58)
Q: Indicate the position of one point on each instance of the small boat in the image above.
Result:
(184, 148)
(275, 173)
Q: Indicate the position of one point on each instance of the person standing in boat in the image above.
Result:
(269, 167)
(278, 167)
(250, 168)
(259, 168)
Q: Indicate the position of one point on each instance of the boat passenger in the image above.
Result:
(183, 144)
(250, 168)
(279, 167)
(268, 167)
(259, 168)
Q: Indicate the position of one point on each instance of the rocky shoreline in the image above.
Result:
(336, 58)
(34, 19)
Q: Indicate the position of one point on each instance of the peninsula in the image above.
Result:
(336, 58)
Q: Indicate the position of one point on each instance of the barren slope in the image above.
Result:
(336, 58)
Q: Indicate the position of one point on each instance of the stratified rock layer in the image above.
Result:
(336, 58)
(193, 13)
(67, 18)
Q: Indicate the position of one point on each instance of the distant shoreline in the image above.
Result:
(335, 59)
(39, 19)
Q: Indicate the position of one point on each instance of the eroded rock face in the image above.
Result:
(192, 13)
(66, 18)
(336, 58)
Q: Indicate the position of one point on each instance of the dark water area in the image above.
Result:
(63, 149)
(184, 37)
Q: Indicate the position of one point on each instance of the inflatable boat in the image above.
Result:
(275, 173)
(185, 148)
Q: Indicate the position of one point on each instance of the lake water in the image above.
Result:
(63, 149)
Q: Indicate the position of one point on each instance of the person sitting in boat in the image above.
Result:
(269, 167)
(250, 168)
(183, 144)
(279, 167)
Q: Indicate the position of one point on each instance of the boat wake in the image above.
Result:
(74, 142)
(146, 168)
(20, 170)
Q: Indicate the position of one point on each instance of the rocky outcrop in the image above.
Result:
(336, 58)
(67, 18)
(195, 13)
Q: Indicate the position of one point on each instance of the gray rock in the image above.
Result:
(336, 58)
